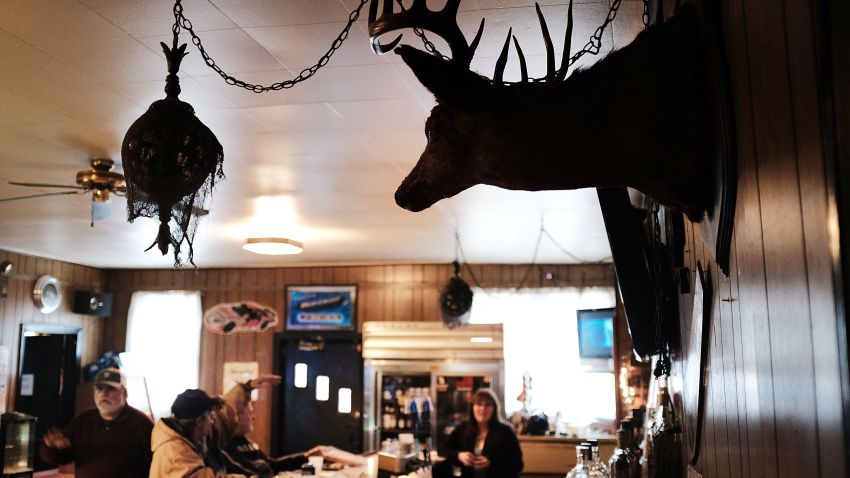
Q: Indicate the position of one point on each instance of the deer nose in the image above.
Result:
(407, 199)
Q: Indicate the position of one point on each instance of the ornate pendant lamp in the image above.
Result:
(455, 300)
(171, 162)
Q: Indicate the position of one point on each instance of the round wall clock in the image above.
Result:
(46, 294)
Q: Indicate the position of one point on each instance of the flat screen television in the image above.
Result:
(596, 338)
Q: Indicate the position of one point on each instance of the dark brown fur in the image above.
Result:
(637, 118)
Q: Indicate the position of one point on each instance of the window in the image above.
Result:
(540, 339)
(163, 347)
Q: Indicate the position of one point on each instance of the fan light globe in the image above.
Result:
(273, 246)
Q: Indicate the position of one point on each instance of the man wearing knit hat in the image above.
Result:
(112, 439)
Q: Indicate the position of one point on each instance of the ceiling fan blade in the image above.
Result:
(197, 211)
(40, 195)
(40, 185)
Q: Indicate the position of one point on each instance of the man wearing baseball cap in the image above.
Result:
(109, 440)
(179, 442)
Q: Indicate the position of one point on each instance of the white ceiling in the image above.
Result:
(318, 163)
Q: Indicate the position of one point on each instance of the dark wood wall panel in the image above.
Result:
(385, 293)
(774, 406)
(18, 307)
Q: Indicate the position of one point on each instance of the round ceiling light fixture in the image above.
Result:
(272, 246)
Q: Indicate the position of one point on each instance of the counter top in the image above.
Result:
(561, 439)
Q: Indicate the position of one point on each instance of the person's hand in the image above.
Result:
(466, 458)
(315, 451)
(263, 379)
(56, 439)
(480, 462)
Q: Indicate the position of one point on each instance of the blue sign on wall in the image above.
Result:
(321, 307)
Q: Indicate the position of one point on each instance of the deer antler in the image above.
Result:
(443, 23)
(552, 75)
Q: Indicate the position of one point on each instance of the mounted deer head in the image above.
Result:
(636, 118)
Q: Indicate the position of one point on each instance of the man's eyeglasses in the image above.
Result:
(104, 388)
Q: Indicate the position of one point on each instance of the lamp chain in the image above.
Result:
(180, 21)
(593, 45)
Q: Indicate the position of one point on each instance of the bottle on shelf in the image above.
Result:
(425, 419)
(596, 464)
(621, 464)
(401, 418)
(664, 456)
(583, 458)
(634, 452)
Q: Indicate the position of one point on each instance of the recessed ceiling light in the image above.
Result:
(273, 246)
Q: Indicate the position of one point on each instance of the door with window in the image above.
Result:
(320, 401)
(48, 376)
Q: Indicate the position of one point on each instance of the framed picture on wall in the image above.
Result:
(321, 307)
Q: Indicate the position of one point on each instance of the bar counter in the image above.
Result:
(556, 455)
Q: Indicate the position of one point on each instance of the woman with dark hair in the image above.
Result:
(484, 446)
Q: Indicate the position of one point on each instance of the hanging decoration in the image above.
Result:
(172, 160)
(455, 300)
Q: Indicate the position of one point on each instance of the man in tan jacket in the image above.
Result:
(179, 442)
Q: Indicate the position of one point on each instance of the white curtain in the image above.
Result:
(163, 347)
(540, 338)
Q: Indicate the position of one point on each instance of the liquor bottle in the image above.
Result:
(596, 464)
(583, 457)
(425, 420)
(634, 452)
(664, 457)
(621, 464)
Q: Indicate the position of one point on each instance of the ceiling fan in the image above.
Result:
(100, 181)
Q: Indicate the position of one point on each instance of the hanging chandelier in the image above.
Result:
(455, 300)
(171, 160)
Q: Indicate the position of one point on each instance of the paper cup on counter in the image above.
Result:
(317, 462)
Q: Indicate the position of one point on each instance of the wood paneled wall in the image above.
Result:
(774, 402)
(385, 292)
(18, 307)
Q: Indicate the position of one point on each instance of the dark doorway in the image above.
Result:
(303, 421)
(48, 372)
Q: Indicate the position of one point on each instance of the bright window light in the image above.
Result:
(535, 323)
(165, 363)
(481, 340)
(301, 375)
(344, 402)
(322, 388)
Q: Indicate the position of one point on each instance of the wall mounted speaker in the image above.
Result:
(98, 304)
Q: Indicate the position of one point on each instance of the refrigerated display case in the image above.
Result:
(17, 439)
(425, 365)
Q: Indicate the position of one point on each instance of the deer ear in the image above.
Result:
(450, 82)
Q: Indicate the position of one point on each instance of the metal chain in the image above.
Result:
(645, 14)
(180, 21)
(593, 45)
